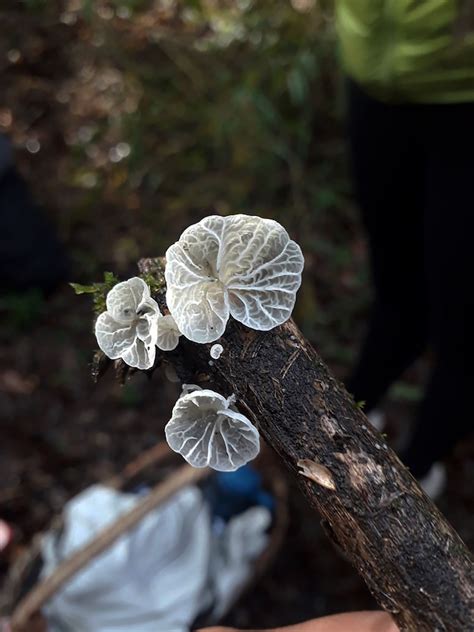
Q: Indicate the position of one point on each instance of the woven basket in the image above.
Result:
(25, 593)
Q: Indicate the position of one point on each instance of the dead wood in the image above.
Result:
(412, 560)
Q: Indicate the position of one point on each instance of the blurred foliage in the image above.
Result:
(406, 392)
(157, 113)
(98, 290)
(20, 310)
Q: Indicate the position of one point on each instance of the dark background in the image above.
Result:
(130, 120)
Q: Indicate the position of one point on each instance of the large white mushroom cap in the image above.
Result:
(206, 429)
(128, 329)
(239, 265)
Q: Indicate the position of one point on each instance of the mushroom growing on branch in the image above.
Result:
(373, 510)
(128, 329)
(207, 430)
(241, 266)
(133, 326)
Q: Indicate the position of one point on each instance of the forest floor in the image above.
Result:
(59, 431)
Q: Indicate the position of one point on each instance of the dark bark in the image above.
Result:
(413, 562)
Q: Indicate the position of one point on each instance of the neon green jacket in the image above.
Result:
(409, 50)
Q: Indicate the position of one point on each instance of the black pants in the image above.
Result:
(413, 169)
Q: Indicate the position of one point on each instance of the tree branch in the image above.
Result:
(413, 562)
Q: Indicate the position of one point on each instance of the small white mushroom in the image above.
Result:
(128, 329)
(216, 351)
(207, 430)
(240, 265)
(168, 333)
(189, 388)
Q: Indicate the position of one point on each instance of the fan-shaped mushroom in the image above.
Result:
(168, 333)
(128, 329)
(207, 430)
(240, 265)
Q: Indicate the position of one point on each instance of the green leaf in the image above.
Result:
(83, 289)
(110, 278)
(405, 392)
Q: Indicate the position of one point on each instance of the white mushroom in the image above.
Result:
(206, 429)
(240, 265)
(216, 351)
(128, 329)
(189, 388)
(168, 333)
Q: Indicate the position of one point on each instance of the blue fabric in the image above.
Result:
(231, 493)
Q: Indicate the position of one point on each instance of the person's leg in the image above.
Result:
(446, 413)
(387, 162)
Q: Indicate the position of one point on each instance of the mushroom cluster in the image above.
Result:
(132, 326)
(207, 430)
(241, 266)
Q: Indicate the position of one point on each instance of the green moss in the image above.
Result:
(153, 273)
(99, 291)
(156, 284)
(155, 281)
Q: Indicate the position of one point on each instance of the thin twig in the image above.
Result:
(153, 456)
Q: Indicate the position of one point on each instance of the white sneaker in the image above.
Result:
(378, 419)
(434, 482)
